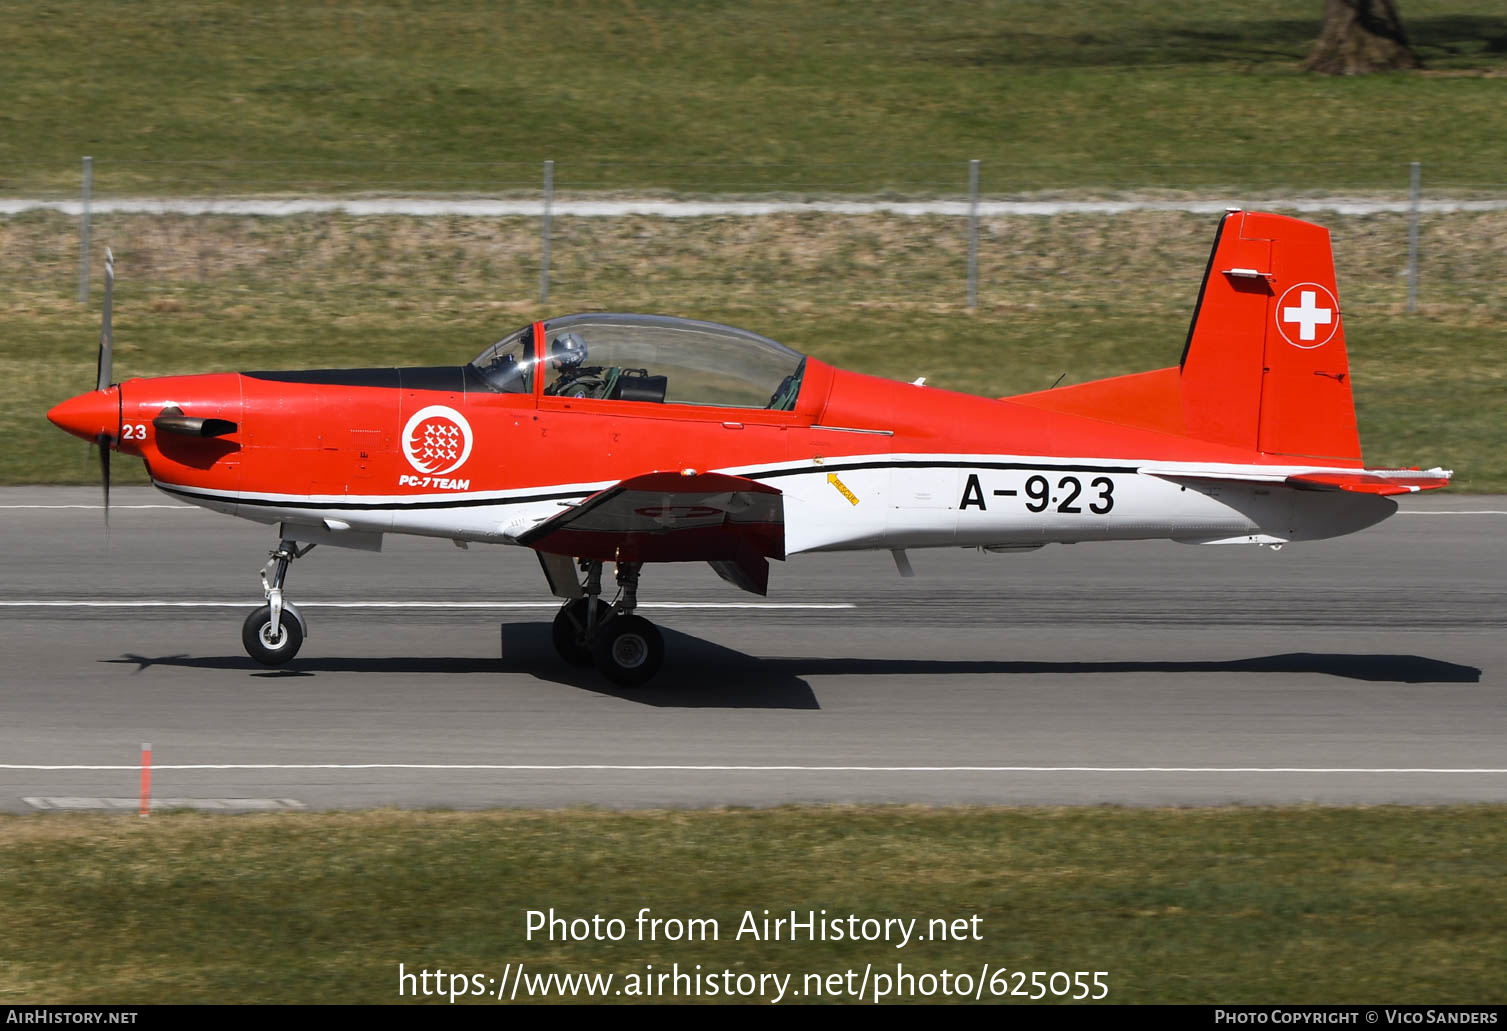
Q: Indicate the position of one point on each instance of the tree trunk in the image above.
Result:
(1360, 37)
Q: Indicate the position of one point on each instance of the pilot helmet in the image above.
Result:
(568, 349)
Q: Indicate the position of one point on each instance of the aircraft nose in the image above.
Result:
(89, 415)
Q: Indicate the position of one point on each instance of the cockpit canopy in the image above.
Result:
(652, 358)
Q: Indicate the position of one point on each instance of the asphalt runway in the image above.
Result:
(1367, 669)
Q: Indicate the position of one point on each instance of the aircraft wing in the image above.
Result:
(733, 523)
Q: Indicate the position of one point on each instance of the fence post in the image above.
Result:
(549, 197)
(973, 234)
(1415, 193)
(83, 231)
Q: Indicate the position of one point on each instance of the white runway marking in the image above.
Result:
(669, 768)
(80, 802)
(52, 603)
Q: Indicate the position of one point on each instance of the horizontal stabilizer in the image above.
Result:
(1375, 481)
(1356, 481)
(732, 522)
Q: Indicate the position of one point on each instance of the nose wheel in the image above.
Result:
(626, 649)
(273, 633)
(269, 644)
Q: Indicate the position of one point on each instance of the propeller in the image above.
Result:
(106, 329)
(106, 366)
(95, 415)
(103, 442)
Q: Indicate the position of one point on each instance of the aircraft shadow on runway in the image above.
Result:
(696, 674)
(1397, 669)
(701, 674)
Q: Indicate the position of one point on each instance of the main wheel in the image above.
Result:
(628, 650)
(569, 630)
(261, 645)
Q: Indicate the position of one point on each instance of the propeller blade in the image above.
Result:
(103, 441)
(107, 329)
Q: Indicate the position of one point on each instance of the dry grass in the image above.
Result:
(1136, 263)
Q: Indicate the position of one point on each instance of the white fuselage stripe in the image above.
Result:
(774, 470)
(197, 508)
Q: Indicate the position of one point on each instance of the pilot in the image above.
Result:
(567, 352)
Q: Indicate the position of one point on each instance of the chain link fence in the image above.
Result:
(728, 235)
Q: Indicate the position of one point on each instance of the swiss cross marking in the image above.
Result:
(1307, 315)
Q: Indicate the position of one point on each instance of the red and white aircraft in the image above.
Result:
(636, 439)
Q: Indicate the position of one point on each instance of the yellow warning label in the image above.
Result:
(842, 488)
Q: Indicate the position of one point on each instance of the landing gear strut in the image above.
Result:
(273, 633)
(627, 649)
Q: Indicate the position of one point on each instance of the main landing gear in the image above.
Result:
(273, 633)
(627, 649)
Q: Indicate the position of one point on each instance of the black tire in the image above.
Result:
(279, 652)
(569, 630)
(628, 650)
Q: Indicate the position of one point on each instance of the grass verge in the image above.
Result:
(1231, 905)
(193, 96)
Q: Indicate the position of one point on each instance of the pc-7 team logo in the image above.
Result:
(437, 440)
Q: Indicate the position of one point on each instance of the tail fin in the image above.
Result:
(1264, 367)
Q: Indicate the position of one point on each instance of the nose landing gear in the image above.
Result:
(625, 648)
(273, 633)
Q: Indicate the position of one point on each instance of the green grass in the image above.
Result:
(1084, 297)
(1229, 905)
(180, 96)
